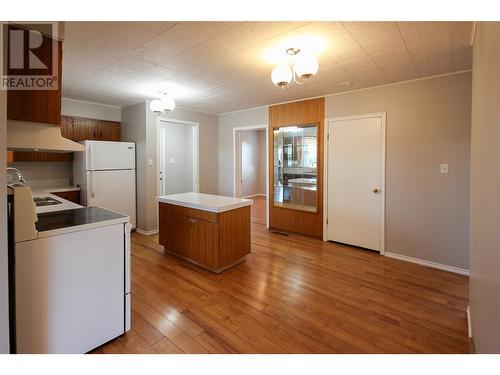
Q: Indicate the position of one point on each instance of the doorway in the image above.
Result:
(356, 181)
(177, 157)
(250, 169)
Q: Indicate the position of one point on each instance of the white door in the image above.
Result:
(114, 190)
(178, 161)
(103, 155)
(356, 181)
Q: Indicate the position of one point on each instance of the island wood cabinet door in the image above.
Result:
(212, 241)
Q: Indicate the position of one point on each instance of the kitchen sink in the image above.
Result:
(45, 201)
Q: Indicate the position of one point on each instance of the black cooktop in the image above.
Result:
(70, 218)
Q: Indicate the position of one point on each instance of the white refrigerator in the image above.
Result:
(105, 173)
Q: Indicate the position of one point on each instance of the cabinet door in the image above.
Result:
(92, 129)
(109, 131)
(79, 129)
(204, 243)
(178, 234)
(42, 106)
(72, 196)
(67, 127)
(37, 156)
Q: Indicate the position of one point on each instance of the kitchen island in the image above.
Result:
(208, 230)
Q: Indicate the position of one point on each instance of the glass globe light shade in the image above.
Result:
(306, 66)
(168, 103)
(156, 106)
(281, 75)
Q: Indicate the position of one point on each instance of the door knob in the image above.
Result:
(376, 190)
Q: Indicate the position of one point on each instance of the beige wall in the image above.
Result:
(227, 122)
(80, 108)
(139, 125)
(45, 171)
(253, 162)
(4, 286)
(133, 129)
(485, 190)
(428, 123)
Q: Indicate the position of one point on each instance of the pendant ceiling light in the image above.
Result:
(303, 68)
(163, 105)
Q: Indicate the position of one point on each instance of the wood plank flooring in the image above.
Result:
(292, 295)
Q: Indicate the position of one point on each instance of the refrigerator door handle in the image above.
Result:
(91, 164)
(127, 248)
(92, 189)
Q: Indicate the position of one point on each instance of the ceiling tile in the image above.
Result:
(461, 58)
(435, 63)
(221, 66)
(383, 45)
(401, 70)
(391, 56)
(368, 32)
(429, 46)
(252, 32)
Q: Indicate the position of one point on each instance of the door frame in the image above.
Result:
(196, 145)
(237, 166)
(382, 116)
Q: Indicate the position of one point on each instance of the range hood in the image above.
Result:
(33, 136)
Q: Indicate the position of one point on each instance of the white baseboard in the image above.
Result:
(427, 263)
(146, 232)
(254, 195)
(469, 323)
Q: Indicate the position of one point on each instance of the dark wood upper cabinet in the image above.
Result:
(82, 129)
(37, 105)
(109, 131)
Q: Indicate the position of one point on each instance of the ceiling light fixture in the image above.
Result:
(304, 67)
(163, 105)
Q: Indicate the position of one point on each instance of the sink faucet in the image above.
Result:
(20, 176)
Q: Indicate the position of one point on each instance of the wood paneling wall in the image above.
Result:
(298, 113)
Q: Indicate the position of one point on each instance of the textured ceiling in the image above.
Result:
(222, 66)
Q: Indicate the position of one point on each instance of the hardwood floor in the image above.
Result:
(292, 295)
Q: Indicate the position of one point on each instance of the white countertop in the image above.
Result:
(205, 202)
(53, 189)
(65, 204)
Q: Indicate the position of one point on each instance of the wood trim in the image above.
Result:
(291, 220)
(35, 156)
(10, 157)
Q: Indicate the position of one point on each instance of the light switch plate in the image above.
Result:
(443, 168)
(171, 161)
(150, 162)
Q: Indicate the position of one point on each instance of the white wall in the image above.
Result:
(80, 108)
(485, 188)
(227, 122)
(4, 284)
(253, 162)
